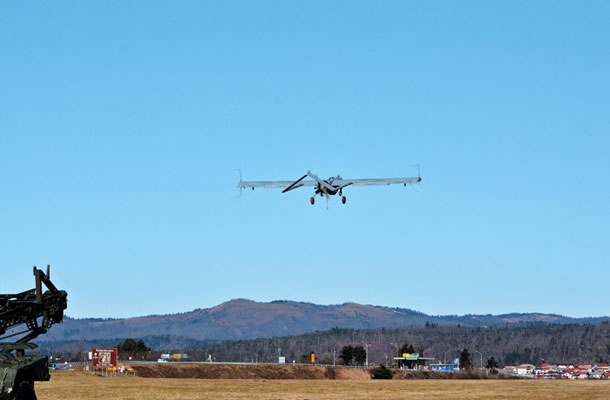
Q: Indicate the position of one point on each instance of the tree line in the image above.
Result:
(507, 346)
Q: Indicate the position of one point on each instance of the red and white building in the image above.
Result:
(561, 371)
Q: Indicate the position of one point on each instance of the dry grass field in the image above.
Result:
(73, 385)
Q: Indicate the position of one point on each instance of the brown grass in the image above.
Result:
(232, 371)
(72, 385)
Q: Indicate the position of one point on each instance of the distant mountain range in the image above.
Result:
(246, 319)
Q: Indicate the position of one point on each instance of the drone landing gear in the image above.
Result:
(312, 201)
(343, 199)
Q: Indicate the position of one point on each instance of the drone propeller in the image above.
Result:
(294, 184)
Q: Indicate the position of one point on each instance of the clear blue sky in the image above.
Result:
(121, 124)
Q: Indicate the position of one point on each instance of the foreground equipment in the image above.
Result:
(37, 311)
(328, 187)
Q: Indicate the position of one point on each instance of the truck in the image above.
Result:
(35, 311)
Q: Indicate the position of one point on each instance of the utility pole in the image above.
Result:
(481, 354)
(397, 355)
(445, 355)
(366, 348)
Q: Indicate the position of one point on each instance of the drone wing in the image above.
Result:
(377, 182)
(286, 185)
(336, 184)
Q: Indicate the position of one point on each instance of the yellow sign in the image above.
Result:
(405, 355)
(313, 357)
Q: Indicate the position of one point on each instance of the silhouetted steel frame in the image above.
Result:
(27, 307)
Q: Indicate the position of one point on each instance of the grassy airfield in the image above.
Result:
(73, 385)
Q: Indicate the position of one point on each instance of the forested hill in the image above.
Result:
(509, 346)
(246, 319)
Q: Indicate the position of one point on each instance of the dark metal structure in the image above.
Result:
(36, 311)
